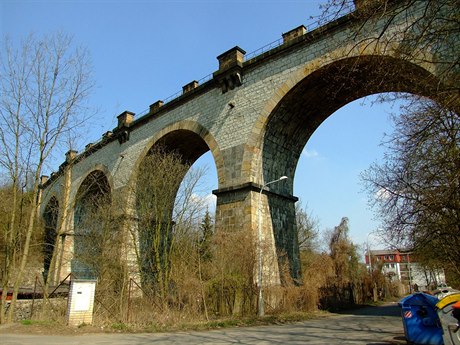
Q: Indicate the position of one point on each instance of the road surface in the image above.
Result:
(370, 326)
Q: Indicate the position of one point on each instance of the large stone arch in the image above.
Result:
(94, 193)
(190, 139)
(298, 108)
(306, 105)
(50, 220)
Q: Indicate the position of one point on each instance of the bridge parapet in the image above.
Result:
(125, 119)
(255, 114)
(154, 107)
(190, 86)
(230, 70)
(294, 33)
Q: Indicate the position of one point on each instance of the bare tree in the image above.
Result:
(44, 84)
(159, 221)
(416, 190)
(307, 228)
(425, 31)
(417, 184)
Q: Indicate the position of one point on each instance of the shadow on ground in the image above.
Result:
(391, 309)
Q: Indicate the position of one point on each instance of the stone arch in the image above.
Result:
(300, 112)
(189, 140)
(299, 107)
(96, 167)
(349, 68)
(87, 180)
(50, 219)
(94, 193)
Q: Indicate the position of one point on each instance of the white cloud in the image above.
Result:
(208, 200)
(310, 153)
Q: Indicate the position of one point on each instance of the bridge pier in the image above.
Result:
(238, 212)
(255, 114)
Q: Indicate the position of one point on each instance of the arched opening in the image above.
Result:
(92, 225)
(301, 112)
(50, 218)
(166, 198)
(328, 173)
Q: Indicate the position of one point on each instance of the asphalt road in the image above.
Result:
(370, 326)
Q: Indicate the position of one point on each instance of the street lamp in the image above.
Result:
(261, 309)
(369, 253)
(374, 288)
(410, 273)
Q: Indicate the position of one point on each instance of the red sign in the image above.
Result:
(407, 314)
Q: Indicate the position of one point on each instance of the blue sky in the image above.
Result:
(143, 51)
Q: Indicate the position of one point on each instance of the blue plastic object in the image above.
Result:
(420, 319)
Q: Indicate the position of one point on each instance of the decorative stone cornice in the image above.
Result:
(230, 70)
(125, 119)
(251, 187)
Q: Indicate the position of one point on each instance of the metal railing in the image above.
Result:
(264, 49)
(314, 23)
(175, 95)
(180, 93)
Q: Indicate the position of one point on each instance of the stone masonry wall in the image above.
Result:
(235, 123)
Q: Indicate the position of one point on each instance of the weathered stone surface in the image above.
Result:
(255, 130)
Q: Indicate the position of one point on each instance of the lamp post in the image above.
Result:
(261, 307)
(410, 273)
(374, 287)
(369, 254)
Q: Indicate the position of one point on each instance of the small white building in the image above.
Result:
(404, 267)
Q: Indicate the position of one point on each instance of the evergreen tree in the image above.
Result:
(207, 231)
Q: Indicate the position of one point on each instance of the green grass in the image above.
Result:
(29, 322)
(120, 326)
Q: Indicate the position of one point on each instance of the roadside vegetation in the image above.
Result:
(189, 276)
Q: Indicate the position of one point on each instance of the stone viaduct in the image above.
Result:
(255, 114)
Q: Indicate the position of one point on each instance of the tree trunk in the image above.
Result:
(9, 257)
(25, 254)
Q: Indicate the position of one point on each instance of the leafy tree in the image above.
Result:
(343, 285)
(343, 253)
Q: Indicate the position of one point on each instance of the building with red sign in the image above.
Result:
(403, 266)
